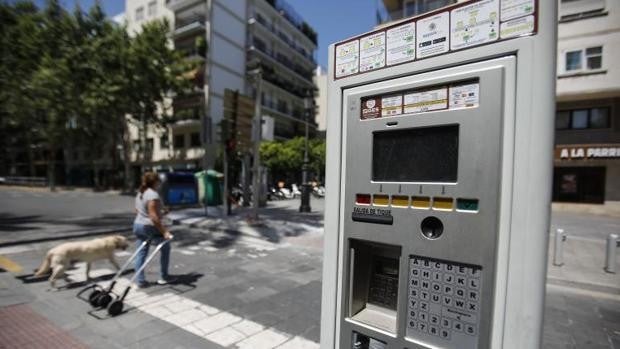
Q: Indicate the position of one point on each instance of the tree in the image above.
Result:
(285, 158)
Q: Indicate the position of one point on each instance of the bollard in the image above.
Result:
(610, 257)
(558, 256)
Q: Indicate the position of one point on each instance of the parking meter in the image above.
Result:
(439, 160)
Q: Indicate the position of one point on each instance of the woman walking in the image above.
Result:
(148, 226)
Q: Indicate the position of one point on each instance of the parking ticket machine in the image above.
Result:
(439, 158)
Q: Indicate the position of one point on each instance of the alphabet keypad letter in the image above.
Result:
(444, 301)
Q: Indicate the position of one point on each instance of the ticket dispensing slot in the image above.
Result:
(374, 274)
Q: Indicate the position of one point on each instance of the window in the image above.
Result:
(179, 141)
(149, 144)
(139, 13)
(591, 56)
(152, 9)
(573, 60)
(195, 139)
(164, 142)
(594, 57)
(579, 119)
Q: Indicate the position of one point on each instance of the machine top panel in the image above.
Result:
(446, 30)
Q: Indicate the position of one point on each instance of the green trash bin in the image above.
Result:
(210, 187)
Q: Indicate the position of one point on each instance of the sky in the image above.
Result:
(333, 20)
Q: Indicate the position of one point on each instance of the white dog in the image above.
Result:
(60, 257)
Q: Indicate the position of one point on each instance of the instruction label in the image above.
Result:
(401, 44)
(392, 105)
(371, 108)
(423, 101)
(516, 8)
(433, 35)
(347, 58)
(475, 24)
(464, 96)
(516, 27)
(372, 52)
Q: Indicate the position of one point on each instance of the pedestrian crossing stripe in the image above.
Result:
(9, 265)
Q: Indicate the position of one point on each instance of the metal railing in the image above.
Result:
(26, 181)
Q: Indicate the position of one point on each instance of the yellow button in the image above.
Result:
(381, 200)
(421, 202)
(443, 204)
(400, 201)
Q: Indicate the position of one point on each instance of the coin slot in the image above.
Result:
(431, 227)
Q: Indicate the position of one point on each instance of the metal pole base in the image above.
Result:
(305, 198)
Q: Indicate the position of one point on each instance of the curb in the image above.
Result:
(584, 286)
(64, 236)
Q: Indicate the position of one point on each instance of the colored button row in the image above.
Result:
(417, 202)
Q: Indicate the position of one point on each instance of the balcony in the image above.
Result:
(178, 5)
(189, 26)
(281, 60)
(265, 26)
(293, 18)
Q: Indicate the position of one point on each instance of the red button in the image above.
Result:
(362, 199)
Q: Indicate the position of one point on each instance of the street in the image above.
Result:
(238, 285)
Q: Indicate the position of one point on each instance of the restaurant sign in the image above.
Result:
(584, 152)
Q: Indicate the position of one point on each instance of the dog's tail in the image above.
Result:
(45, 266)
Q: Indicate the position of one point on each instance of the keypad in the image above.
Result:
(444, 300)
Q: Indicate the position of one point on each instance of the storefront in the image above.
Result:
(587, 173)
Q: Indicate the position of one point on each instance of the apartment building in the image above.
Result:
(228, 38)
(587, 154)
(587, 138)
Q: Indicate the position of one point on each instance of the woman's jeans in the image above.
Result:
(149, 232)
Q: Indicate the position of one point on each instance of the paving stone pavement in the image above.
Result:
(236, 292)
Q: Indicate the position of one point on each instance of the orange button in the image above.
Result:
(445, 204)
(400, 201)
(421, 202)
(380, 200)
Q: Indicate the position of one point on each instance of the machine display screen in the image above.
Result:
(428, 154)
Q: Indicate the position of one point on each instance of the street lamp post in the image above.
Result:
(305, 186)
(257, 125)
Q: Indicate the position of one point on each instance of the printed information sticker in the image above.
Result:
(423, 101)
(516, 8)
(474, 24)
(392, 105)
(401, 44)
(347, 58)
(372, 52)
(371, 108)
(432, 35)
(516, 27)
(464, 96)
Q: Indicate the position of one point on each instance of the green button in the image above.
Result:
(467, 204)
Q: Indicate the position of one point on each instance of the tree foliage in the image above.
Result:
(69, 79)
(285, 158)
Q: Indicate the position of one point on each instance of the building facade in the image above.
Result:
(587, 137)
(226, 39)
(587, 154)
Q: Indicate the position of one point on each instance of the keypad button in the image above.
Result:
(413, 303)
(424, 306)
(436, 298)
(412, 324)
(459, 292)
(461, 270)
(434, 330)
(426, 264)
(472, 307)
(473, 295)
(423, 316)
(425, 285)
(415, 283)
(422, 327)
(446, 323)
(474, 284)
(449, 268)
(413, 314)
(414, 293)
(416, 272)
(449, 279)
(425, 295)
(426, 274)
(447, 289)
(457, 326)
(460, 304)
(470, 329)
(437, 276)
(461, 281)
(444, 333)
(448, 301)
(436, 287)
(437, 266)
(434, 319)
